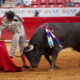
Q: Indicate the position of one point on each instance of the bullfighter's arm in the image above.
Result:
(19, 18)
(3, 25)
(4, 22)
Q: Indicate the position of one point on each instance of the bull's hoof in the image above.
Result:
(50, 69)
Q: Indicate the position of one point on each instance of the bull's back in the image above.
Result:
(67, 33)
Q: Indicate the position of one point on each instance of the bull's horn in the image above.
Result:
(31, 47)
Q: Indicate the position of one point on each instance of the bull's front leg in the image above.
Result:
(49, 60)
(54, 57)
(55, 52)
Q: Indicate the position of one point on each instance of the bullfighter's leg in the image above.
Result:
(22, 41)
(15, 39)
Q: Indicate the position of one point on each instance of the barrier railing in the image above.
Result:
(31, 24)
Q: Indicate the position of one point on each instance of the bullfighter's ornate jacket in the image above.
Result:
(12, 26)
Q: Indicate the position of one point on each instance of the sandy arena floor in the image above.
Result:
(68, 61)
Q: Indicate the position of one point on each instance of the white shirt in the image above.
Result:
(27, 2)
(75, 1)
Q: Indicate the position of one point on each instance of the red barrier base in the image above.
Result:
(6, 63)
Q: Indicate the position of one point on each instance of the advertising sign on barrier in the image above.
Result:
(43, 12)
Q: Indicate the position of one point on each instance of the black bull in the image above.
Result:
(68, 35)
